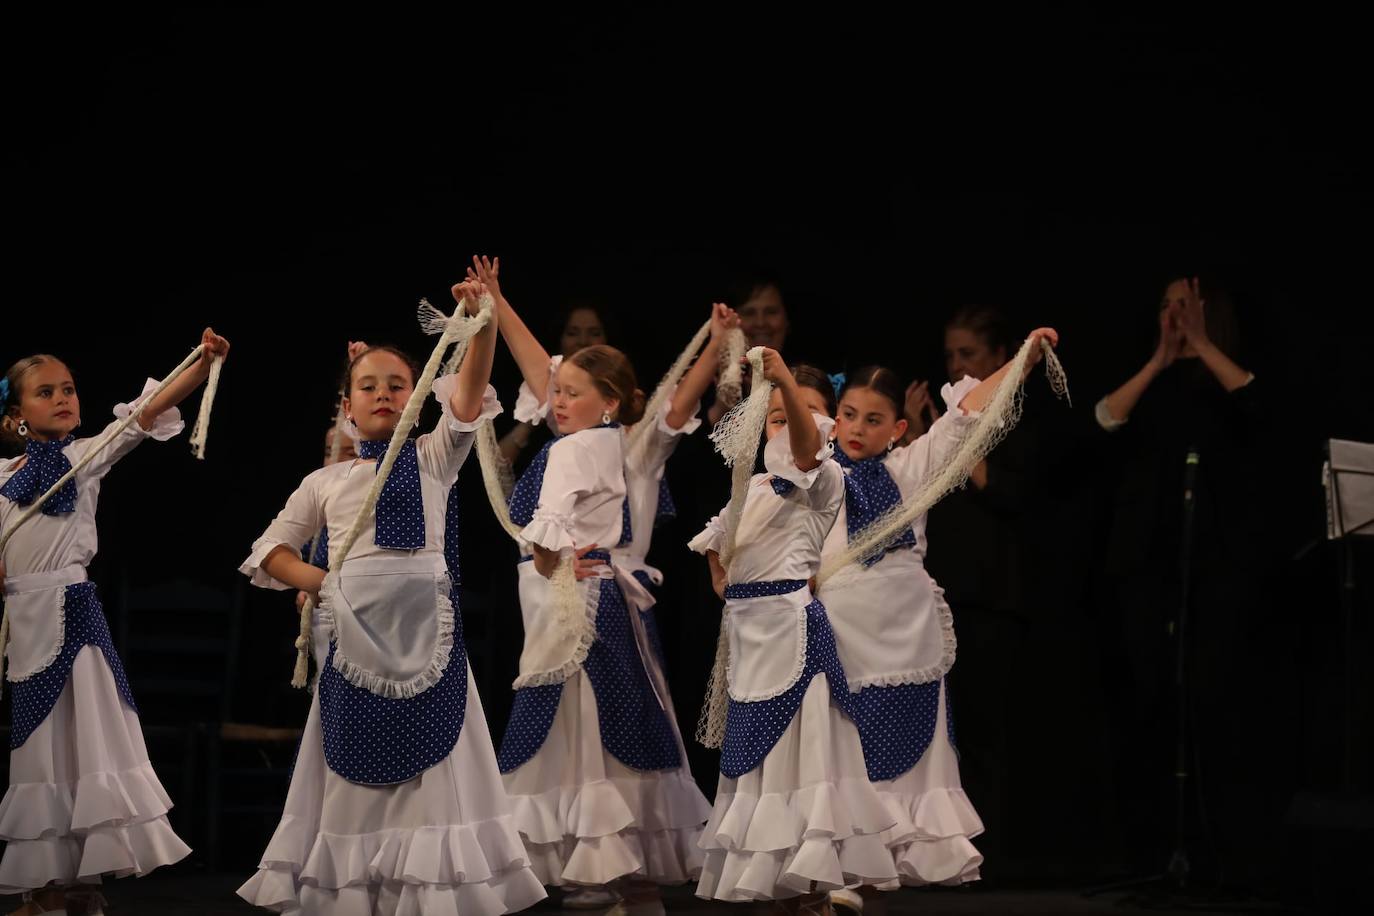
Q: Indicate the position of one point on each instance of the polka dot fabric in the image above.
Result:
(869, 491)
(47, 462)
(400, 508)
(35, 696)
(896, 725)
(751, 729)
(745, 590)
(531, 717)
(451, 538)
(634, 727)
(320, 557)
(524, 496)
(780, 486)
(379, 741)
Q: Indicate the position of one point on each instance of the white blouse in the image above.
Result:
(642, 482)
(780, 537)
(331, 496)
(50, 542)
(580, 502)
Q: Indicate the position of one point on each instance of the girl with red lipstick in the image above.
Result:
(592, 756)
(83, 799)
(395, 804)
(893, 629)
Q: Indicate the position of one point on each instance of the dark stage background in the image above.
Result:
(298, 180)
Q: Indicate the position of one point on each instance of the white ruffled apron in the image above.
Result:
(892, 624)
(553, 650)
(767, 644)
(34, 603)
(393, 692)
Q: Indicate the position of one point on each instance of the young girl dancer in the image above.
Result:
(591, 756)
(894, 631)
(396, 805)
(83, 799)
(795, 815)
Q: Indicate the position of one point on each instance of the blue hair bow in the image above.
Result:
(837, 382)
(4, 391)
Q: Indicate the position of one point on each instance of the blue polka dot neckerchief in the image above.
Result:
(781, 486)
(524, 496)
(401, 506)
(45, 466)
(869, 492)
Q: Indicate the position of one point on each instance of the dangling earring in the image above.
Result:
(891, 443)
(605, 417)
(23, 427)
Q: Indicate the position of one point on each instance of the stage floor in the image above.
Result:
(213, 895)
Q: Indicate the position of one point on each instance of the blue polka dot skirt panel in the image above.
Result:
(752, 729)
(650, 620)
(949, 719)
(743, 590)
(531, 717)
(896, 725)
(35, 696)
(382, 741)
(634, 727)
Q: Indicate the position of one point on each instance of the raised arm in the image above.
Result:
(529, 353)
(187, 382)
(703, 371)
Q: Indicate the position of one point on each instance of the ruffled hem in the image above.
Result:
(818, 862)
(549, 529)
(930, 839)
(120, 851)
(443, 390)
(779, 461)
(661, 421)
(252, 567)
(42, 810)
(168, 425)
(649, 802)
(374, 683)
(528, 409)
(782, 821)
(468, 868)
(953, 394)
(660, 856)
(276, 890)
(710, 537)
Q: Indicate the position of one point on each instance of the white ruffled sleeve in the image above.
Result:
(778, 460)
(528, 408)
(297, 523)
(570, 473)
(167, 425)
(443, 451)
(661, 440)
(712, 536)
(913, 462)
